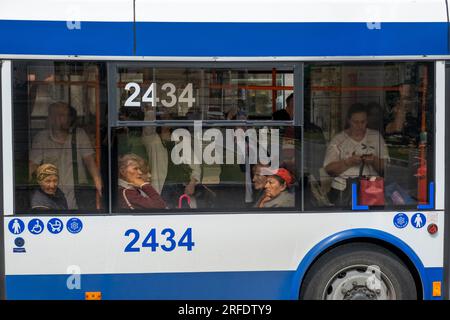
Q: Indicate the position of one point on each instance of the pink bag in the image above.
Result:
(180, 200)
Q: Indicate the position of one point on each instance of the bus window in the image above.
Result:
(201, 94)
(147, 93)
(58, 141)
(206, 167)
(372, 125)
(247, 94)
(225, 153)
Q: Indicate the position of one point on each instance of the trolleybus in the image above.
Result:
(223, 149)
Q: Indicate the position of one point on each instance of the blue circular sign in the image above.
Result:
(418, 220)
(19, 242)
(35, 226)
(55, 226)
(401, 220)
(74, 225)
(16, 226)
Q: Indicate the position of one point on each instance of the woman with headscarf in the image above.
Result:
(48, 196)
(277, 190)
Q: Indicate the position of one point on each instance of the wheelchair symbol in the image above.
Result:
(55, 226)
(36, 226)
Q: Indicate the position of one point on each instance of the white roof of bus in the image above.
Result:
(226, 10)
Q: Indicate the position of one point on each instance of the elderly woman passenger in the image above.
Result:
(135, 192)
(277, 190)
(48, 196)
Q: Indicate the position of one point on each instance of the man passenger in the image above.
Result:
(57, 145)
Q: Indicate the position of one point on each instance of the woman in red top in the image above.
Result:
(134, 191)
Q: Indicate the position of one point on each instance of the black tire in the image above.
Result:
(330, 264)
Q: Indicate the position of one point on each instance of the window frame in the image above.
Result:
(114, 122)
(102, 95)
(299, 101)
(432, 67)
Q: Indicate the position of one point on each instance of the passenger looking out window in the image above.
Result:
(48, 196)
(135, 191)
(277, 192)
(260, 173)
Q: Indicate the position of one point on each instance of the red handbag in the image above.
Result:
(371, 191)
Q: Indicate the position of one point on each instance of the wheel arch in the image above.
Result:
(395, 245)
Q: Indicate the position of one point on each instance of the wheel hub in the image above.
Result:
(359, 283)
(360, 293)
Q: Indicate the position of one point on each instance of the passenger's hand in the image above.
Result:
(399, 109)
(98, 186)
(353, 161)
(264, 200)
(370, 159)
(165, 134)
(137, 182)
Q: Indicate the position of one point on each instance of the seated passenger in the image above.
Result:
(277, 190)
(354, 149)
(260, 173)
(48, 196)
(134, 191)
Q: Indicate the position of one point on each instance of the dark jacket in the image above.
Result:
(131, 197)
(44, 201)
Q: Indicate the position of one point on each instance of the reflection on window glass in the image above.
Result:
(200, 167)
(368, 125)
(201, 94)
(57, 136)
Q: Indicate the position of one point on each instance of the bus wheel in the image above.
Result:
(358, 271)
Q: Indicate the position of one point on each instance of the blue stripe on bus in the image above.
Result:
(55, 38)
(198, 285)
(260, 285)
(290, 39)
(223, 39)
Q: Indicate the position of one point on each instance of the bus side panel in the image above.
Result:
(242, 256)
